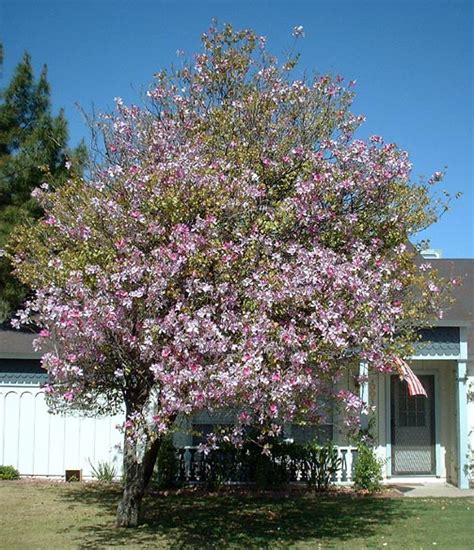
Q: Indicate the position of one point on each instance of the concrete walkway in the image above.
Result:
(428, 490)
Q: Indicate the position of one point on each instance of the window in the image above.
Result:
(411, 410)
(204, 423)
(200, 433)
(304, 434)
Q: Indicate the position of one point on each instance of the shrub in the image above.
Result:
(368, 470)
(167, 464)
(104, 471)
(276, 468)
(322, 464)
(220, 466)
(282, 463)
(266, 473)
(9, 472)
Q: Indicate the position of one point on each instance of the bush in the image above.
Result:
(263, 469)
(167, 466)
(283, 462)
(267, 474)
(9, 472)
(322, 465)
(104, 471)
(286, 462)
(276, 468)
(368, 470)
(219, 466)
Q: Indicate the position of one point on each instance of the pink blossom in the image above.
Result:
(244, 417)
(432, 287)
(273, 410)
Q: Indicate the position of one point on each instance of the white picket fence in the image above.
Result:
(38, 443)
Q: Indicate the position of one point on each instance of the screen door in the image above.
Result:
(413, 428)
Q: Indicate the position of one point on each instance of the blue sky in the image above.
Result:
(413, 62)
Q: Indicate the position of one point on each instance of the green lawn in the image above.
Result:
(60, 516)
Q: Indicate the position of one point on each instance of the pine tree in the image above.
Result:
(33, 148)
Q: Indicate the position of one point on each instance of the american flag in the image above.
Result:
(415, 387)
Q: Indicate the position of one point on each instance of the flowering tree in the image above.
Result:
(236, 248)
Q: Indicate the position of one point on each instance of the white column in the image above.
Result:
(364, 393)
(461, 427)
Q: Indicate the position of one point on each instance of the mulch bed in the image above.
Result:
(237, 490)
(286, 492)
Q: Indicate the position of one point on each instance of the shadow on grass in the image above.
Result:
(219, 521)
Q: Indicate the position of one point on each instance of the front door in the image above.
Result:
(413, 429)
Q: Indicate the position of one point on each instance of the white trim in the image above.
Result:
(388, 427)
(414, 480)
(463, 344)
(434, 357)
(364, 393)
(461, 425)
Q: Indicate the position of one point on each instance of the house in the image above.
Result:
(417, 437)
(433, 436)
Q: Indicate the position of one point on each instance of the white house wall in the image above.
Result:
(42, 444)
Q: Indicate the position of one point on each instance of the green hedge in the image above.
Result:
(9, 472)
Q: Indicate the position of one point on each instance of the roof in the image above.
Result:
(14, 343)
(462, 309)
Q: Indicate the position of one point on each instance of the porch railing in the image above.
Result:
(196, 466)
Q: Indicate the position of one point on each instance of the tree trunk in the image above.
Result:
(137, 471)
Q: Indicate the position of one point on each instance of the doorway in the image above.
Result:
(413, 428)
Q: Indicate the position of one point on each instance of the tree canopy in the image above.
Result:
(238, 247)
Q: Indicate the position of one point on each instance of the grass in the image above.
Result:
(81, 515)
